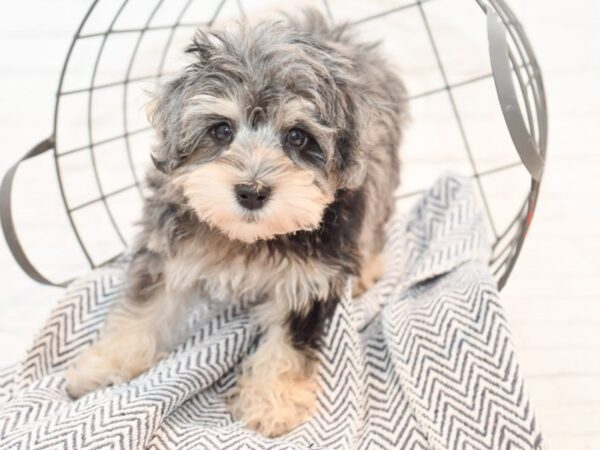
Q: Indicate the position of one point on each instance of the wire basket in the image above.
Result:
(475, 88)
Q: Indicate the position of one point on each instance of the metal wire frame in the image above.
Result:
(508, 242)
(126, 134)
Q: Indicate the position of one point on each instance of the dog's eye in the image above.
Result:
(304, 146)
(222, 132)
(296, 138)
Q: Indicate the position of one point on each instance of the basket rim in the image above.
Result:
(520, 225)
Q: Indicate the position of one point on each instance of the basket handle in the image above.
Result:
(507, 95)
(6, 218)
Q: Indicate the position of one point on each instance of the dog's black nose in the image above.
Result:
(252, 197)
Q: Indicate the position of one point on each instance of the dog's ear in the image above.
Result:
(350, 158)
(352, 116)
(201, 46)
(364, 107)
(164, 111)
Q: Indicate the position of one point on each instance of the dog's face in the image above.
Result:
(261, 131)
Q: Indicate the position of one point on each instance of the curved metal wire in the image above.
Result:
(508, 241)
(126, 91)
(57, 167)
(539, 133)
(92, 145)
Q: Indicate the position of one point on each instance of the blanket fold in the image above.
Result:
(423, 360)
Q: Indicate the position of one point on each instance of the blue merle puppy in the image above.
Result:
(275, 167)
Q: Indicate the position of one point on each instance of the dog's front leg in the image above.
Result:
(135, 337)
(276, 390)
(138, 332)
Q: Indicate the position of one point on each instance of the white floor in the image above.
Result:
(552, 298)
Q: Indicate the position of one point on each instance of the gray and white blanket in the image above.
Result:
(423, 360)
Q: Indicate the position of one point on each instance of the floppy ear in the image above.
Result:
(368, 108)
(166, 108)
(350, 154)
(353, 113)
(164, 112)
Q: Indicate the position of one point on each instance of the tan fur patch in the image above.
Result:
(297, 201)
(225, 274)
(276, 391)
(204, 104)
(371, 271)
(135, 338)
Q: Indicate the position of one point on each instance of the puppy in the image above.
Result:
(275, 169)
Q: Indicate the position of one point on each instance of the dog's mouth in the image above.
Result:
(252, 226)
(250, 217)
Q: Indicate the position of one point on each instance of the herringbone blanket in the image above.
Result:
(424, 360)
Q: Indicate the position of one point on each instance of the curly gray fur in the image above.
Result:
(330, 200)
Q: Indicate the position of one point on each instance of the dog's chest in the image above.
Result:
(239, 277)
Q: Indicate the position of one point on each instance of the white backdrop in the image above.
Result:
(553, 296)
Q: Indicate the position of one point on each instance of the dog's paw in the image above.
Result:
(105, 365)
(273, 407)
(91, 371)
